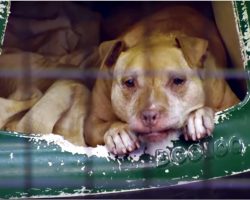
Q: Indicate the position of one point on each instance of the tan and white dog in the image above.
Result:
(155, 87)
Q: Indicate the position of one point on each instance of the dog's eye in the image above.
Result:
(178, 81)
(129, 83)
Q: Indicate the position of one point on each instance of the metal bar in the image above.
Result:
(79, 74)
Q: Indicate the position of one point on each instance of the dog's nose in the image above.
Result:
(150, 117)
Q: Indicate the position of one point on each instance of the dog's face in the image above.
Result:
(154, 88)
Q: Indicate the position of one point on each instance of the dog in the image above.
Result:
(155, 87)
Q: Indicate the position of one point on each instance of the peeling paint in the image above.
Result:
(4, 15)
(222, 116)
(244, 36)
(11, 156)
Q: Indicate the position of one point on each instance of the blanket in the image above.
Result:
(40, 37)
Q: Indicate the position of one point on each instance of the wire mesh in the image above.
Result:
(28, 75)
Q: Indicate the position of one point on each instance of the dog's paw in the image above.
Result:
(199, 124)
(120, 140)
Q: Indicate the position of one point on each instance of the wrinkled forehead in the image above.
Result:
(153, 60)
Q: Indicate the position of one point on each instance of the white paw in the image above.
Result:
(199, 124)
(119, 140)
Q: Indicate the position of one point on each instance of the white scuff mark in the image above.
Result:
(177, 178)
(167, 171)
(82, 190)
(90, 173)
(119, 162)
(244, 148)
(48, 189)
(130, 181)
(50, 164)
(196, 177)
(11, 156)
(62, 163)
(135, 156)
(83, 168)
(108, 159)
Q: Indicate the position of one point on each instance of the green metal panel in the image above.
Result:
(31, 167)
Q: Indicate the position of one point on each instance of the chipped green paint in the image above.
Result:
(4, 14)
(35, 168)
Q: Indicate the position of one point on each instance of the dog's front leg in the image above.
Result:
(199, 124)
(120, 140)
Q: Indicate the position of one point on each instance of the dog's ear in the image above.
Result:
(193, 48)
(110, 51)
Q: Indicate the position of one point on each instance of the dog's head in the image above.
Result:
(155, 84)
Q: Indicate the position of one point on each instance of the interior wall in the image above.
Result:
(227, 27)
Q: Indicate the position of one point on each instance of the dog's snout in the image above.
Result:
(150, 117)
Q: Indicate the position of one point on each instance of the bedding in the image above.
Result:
(42, 36)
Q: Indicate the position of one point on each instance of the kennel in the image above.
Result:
(33, 166)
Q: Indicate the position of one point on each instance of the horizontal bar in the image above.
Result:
(85, 74)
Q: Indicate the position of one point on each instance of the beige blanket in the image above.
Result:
(43, 38)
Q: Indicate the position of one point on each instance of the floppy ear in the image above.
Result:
(193, 48)
(110, 51)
